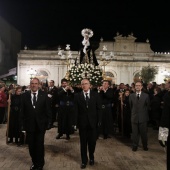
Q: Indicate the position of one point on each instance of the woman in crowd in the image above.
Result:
(126, 114)
(3, 102)
(156, 108)
(14, 129)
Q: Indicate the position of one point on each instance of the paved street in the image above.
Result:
(111, 154)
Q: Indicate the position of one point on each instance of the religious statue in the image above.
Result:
(87, 54)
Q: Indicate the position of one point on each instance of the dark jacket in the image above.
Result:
(38, 118)
(91, 115)
(165, 119)
(139, 108)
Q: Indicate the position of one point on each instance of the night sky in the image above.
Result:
(50, 24)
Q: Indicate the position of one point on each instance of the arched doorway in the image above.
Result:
(137, 77)
(42, 75)
(109, 76)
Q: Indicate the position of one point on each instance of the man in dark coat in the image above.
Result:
(117, 109)
(165, 123)
(66, 111)
(139, 104)
(53, 96)
(106, 95)
(87, 106)
(35, 118)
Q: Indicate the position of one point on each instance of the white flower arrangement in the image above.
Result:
(81, 71)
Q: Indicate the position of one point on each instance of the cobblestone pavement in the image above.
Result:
(111, 154)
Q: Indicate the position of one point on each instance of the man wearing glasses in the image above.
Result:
(88, 116)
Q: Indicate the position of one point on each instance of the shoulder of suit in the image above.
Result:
(55, 88)
(27, 93)
(132, 94)
(143, 93)
(42, 92)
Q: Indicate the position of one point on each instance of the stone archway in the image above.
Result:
(42, 75)
(110, 76)
(137, 77)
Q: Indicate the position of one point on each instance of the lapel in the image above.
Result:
(39, 97)
(141, 96)
(135, 97)
(29, 97)
(82, 96)
(91, 95)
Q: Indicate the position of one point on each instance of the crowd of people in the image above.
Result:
(102, 111)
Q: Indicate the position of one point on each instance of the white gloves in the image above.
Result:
(163, 135)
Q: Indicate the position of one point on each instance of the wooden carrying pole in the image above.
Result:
(121, 100)
(9, 108)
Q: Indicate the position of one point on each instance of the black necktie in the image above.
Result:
(87, 100)
(34, 99)
(138, 96)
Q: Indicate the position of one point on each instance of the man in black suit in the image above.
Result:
(66, 109)
(165, 124)
(87, 106)
(139, 104)
(117, 110)
(53, 96)
(35, 119)
(106, 95)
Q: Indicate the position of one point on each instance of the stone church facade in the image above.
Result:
(121, 59)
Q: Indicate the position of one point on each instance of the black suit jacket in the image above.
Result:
(165, 118)
(87, 116)
(38, 118)
(54, 99)
(139, 108)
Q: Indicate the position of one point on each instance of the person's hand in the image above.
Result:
(49, 95)
(71, 88)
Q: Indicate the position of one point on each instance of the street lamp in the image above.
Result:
(31, 73)
(66, 57)
(106, 58)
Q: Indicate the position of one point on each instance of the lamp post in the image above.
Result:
(66, 57)
(105, 58)
(31, 73)
(166, 74)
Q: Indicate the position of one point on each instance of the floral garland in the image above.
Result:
(80, 71)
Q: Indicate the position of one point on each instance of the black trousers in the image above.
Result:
(139, 129)
(88, 138)
(36, 147)
(54, 114)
